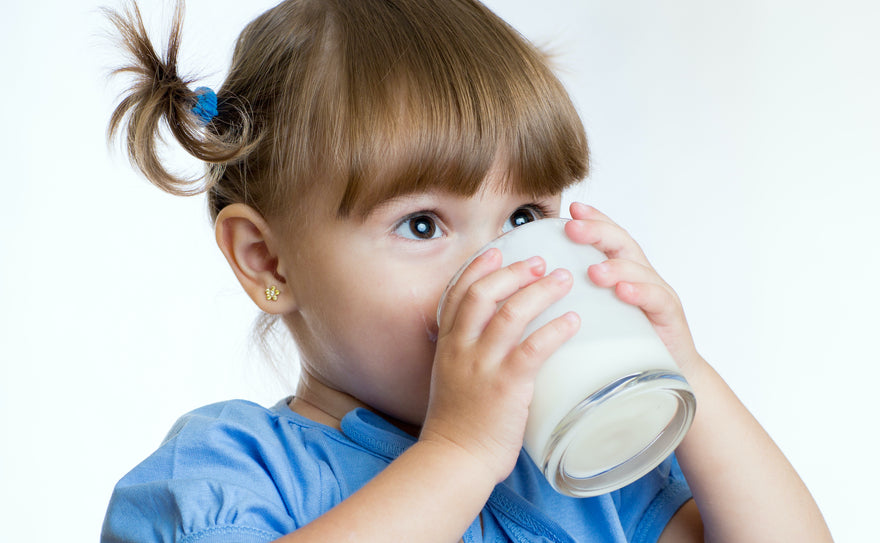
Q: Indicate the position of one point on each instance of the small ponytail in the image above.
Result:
(160, 94)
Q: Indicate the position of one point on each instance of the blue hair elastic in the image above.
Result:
(206, 104)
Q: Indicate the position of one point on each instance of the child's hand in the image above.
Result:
(758, 496)
(483, 375)
(634, 280)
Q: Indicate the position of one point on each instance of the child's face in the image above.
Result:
(367, 291)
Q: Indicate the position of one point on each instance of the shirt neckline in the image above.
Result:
(360, 425)
(378, 436)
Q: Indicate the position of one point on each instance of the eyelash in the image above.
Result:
(543, 210)
(418, 214)
(540, 210)
(535, 211)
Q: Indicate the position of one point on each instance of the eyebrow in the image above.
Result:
(389, 199)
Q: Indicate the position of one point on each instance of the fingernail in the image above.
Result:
(561, 275)
(489, 254)
(601, 267)
(535, 262)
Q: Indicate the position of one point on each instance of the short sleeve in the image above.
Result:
(188, 511)
(213, 480)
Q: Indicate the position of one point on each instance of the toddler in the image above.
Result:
(357, 153)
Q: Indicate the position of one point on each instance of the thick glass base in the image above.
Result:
(619, 433)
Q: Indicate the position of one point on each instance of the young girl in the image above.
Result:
(357, 153)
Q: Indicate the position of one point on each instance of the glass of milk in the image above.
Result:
(610, 404)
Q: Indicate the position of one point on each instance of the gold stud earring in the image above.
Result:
(272, 293)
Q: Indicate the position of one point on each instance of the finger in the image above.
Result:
(543, 342)
(606, 236)
(664, 311)
(659, 302)
(482, 265)
(580, 210)
(613, 271)
(505, 329)
(476, 306)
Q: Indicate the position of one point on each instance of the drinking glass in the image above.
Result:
(609, 405)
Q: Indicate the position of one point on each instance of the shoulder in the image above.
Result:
(237, 424)
(232, 467)
(238, 414)
(238, 441)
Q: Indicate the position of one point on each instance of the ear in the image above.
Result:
(247, 243)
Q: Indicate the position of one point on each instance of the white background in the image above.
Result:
(737, 141)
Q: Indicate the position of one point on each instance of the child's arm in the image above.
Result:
(429, 493)
(743, 486)
(481, 388)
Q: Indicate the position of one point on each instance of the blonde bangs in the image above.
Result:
(440, 92)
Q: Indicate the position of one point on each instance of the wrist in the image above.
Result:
(477, 469)
(693, 366)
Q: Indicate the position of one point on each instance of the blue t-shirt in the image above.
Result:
(238, 472)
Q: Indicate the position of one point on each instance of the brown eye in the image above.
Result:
(418, 227)
(521, 216)
(422, 227)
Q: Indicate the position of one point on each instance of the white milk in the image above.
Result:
(610, 404)
(576, 371)
(620, 436)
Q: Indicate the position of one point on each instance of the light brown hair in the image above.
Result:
(354, 101)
